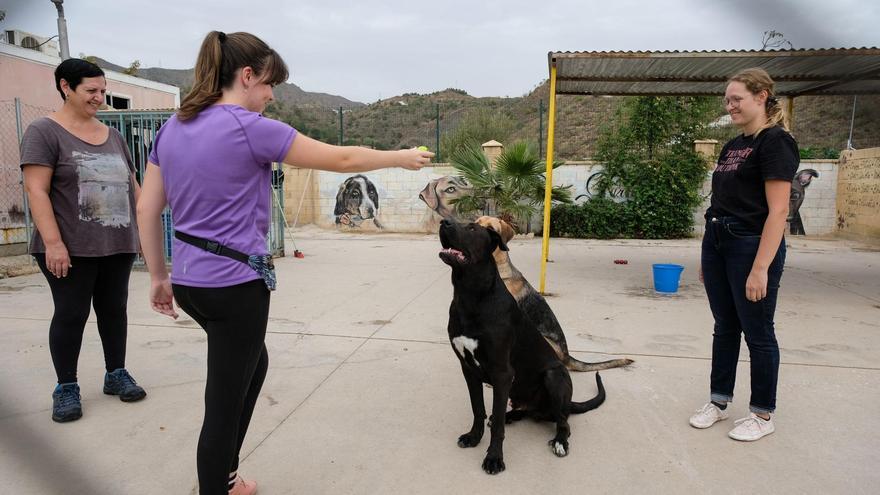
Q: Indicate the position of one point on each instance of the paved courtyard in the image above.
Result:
(365, 396)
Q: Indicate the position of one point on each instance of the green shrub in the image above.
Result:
(598, 218)
(651, 159)
(809, 153)
(513, 189)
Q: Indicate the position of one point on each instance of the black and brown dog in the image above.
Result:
(535, 306)
(498, 345)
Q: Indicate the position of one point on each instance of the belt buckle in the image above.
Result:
(213, 247)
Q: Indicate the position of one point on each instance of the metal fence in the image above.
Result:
(822, 125)
(15, 222)
(138, 129)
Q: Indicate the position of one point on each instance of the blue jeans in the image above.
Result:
(727, 256)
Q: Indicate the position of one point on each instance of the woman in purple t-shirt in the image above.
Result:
(211, 163)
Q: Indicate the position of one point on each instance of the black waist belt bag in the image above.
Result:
(261, 264)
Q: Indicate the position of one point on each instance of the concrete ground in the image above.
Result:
(365, 396)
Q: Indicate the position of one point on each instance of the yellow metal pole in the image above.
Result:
(548, 188)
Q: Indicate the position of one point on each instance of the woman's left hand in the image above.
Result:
(756, 285)
(162, 297)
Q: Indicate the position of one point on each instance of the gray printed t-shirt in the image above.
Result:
(91, 192)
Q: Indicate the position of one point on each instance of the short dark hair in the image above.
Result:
(73, 70)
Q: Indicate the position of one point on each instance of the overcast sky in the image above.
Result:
(368, 49)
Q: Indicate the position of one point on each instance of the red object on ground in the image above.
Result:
(298, 254)
(620, 262)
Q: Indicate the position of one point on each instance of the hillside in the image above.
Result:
(411, 119)
(286, 93)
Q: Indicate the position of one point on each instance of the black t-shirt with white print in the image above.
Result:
(745, 163)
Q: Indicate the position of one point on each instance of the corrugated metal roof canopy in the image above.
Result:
(833, 71)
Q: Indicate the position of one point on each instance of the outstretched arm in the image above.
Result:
(306, 152)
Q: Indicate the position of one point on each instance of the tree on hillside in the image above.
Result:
(89, 58)
(132, 68)
(476, 128)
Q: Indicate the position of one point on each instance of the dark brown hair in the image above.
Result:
(220, 56)
(757, 80)
(74, 70)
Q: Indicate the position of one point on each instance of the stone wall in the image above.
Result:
(389, 200)
(818, 212)
(401, 210)
(858, 194)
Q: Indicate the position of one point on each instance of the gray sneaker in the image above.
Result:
(66, 403)
(120, 382)
(707, 416)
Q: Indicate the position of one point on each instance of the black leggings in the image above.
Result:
(235, 320)
(102, 281)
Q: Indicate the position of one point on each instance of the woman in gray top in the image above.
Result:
(80, 183)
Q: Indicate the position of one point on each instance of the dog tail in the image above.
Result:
(575, 365)
(589, 405)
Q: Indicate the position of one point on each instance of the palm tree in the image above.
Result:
(513, 190)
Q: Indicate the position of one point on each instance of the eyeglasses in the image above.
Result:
(734, 101)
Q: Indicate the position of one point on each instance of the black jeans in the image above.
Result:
(100, 281)
(727, 256)
(235, 320)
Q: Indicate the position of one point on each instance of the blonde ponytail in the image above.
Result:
(755, 81)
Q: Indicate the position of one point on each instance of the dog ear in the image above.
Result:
(805, 176)
(429, 194)
(497, 240)
(372, 193)
(340, 199)
(507, 231)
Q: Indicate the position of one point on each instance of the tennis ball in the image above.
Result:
(422, 148)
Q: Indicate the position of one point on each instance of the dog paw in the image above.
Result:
(514, 415)
(468, 440)
(560, 449)
(493, 465)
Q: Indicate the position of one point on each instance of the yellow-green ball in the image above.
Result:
(423, 148)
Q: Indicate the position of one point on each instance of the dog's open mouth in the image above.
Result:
(450, 256)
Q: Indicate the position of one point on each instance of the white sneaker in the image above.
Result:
(707, 416)
(751, 428)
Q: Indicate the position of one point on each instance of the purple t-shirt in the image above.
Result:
(216, 169)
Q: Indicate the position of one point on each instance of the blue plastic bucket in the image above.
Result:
(666, 277)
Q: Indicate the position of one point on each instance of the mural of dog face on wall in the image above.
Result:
(439, 193)
(799, 185)
(356, 201)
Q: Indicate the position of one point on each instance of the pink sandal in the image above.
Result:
(242, 487)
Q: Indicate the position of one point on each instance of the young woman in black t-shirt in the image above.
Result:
(743, 251)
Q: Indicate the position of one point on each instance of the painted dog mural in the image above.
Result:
(799, 185)
(439, 195)
(357, 201)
